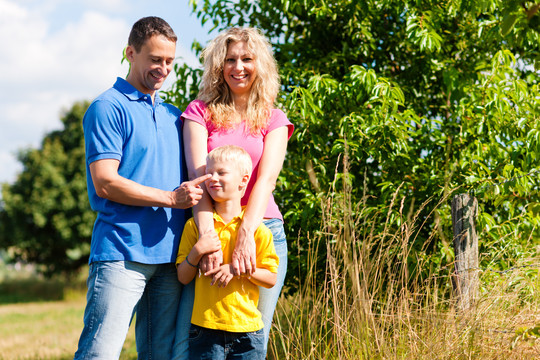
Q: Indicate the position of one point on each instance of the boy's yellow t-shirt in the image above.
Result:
(234, 307)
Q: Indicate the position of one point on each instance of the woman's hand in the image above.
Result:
(211, 261)
(243, 257)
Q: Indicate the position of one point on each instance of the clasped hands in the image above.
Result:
(243, 260)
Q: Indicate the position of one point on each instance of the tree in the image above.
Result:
(46, 217)
(420, 97)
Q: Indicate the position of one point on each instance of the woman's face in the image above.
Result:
(239, 70)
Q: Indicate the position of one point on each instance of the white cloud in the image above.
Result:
(53, 53)
(106, 5)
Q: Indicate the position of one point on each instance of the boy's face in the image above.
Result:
(227, 182)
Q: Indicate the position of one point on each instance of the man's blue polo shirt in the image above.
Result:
(123, 124)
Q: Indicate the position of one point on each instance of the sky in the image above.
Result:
(57, 52)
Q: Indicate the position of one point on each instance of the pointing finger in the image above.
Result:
(200, 179)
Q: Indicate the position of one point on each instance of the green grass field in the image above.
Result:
(332, 324)
(42, 319)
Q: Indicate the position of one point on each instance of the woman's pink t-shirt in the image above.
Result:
(253, 144)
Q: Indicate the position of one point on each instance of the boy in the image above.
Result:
(225, 320)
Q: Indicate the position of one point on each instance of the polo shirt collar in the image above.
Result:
(238, 218)
(132, 93)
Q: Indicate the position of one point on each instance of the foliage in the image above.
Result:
(46, 217)
(418, 99)
(426, 97)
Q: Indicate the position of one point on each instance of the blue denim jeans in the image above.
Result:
(220, 345)
(118, 289)
(267, 297)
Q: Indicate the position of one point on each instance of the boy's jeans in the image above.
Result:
(220, 345)
(116, 289)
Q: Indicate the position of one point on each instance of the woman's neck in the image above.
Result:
(241, 103)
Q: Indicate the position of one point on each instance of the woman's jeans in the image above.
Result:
(267, 297)
(116, 289)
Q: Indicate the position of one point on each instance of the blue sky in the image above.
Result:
(56, 52)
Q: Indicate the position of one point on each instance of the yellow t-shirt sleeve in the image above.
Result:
(266, 252)
(190, 235)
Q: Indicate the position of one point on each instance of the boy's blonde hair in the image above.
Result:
(215, 92)
(235, 154)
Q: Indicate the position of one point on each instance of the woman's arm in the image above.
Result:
(275, 148)
(195, 138)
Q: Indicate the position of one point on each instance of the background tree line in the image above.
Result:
(393, 101)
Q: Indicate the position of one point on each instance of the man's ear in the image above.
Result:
(130, 51)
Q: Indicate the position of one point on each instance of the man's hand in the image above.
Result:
(189, 193)
(221, 275)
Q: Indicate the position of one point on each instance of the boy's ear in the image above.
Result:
(245, 180)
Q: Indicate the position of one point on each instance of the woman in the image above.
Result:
(235, 106)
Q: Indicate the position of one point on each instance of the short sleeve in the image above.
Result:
(103, 132)
(188, 240)
(277, 120)
(266, 252)
(196, 111)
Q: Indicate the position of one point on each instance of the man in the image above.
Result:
(134, 164)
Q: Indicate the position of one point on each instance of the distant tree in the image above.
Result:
(46, 217)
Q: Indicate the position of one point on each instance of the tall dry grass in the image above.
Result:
(370, 304)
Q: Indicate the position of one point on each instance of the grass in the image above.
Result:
(366, 303)
(369, 303)
(42, 319)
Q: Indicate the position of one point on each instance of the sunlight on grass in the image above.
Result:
(47, 330)
(368, 302)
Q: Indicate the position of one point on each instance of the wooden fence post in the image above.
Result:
(465, 280)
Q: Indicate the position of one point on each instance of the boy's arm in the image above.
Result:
(260, 277)
(187, 269)
(263, 277)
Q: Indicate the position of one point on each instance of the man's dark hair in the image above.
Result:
(147, 27)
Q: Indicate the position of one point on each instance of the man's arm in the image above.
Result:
(110, 185)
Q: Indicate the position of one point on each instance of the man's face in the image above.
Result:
(151, 66)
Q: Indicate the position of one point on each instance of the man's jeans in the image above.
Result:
(116, 289)
(267, 297)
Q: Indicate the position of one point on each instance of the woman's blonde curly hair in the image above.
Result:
(215, 92)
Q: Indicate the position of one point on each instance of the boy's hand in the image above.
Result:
(221, 275)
